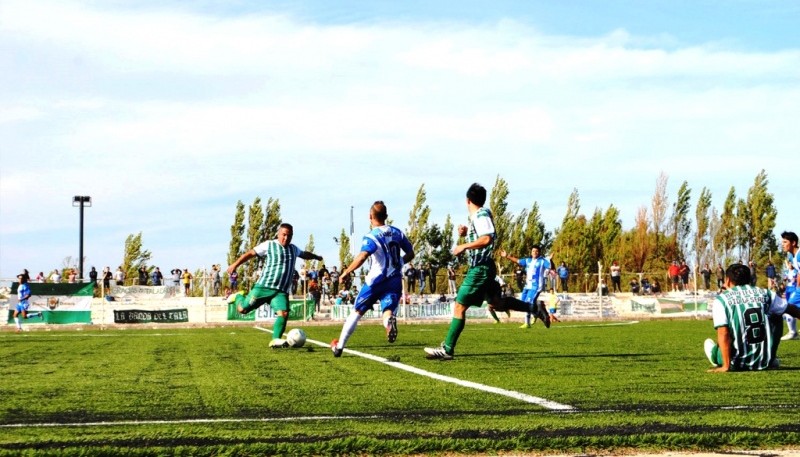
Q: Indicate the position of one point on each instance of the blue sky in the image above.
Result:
(167, 113)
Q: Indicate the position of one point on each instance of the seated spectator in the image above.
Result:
(634, 286)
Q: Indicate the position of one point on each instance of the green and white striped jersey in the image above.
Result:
(744, 310)
(480, 224)
(278, 267)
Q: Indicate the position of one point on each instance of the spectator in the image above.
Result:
(451, 280)
(321, 273)
(423, 277)
(186, 277)
(157, 276)
(752, 266)
(72, 277)
(771, 275)
(656, 287)
(107, 276)
(233, 277)
(335, 281)
(634, 286)
(706, 272)
(720, 274)
(326, 287)
(684, 272)
(295, 281)
(563, 276)
(411, 278)
(216, 279)
(674, 273)
(93, 277)
(315, 293)
(176, 277)
(616, 277)
(55, 277)
(40, 277)
(143, 275)
(303, 279)
(552, 275)
(119, 276)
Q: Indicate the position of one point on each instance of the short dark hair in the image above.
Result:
(378, 211)
(738, 274)
(790, 236)
(286, 226)
(476, 194)
(536, 246)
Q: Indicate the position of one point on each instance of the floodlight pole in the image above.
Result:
(82, 201)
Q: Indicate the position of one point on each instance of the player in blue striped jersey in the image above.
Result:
(21, 308)
(275, 283)
(790, 277)
(536, 269)
(384, 281)
(745, 339)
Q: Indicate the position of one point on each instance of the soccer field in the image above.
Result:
(576, 387)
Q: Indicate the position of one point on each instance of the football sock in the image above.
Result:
(19, 324)
(279, 327)
(456, 327)
(528, 318)
(36, 314)
(494, 314)
(792, 322)
(348, 328)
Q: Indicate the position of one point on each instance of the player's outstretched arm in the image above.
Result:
(357, 262)
(242, 259)
(505, 255)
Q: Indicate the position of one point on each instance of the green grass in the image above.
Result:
(221, 391)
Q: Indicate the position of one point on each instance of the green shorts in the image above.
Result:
(278, 300)
(479, 284)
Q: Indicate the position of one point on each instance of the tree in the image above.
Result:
(418, 221)
(658, 206)
(237, 230)
(759, 222)
(255, 232)
(610, 235)
(134, 257)
(502, 218)
(272, 219)
(309, 248)
(726, 235)
(529, 230)
(680, 224)
(703, 226)
(640, 237)
(345, 256)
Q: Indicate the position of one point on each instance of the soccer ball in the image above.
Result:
(296, 338)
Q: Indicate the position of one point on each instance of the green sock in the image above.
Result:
(456, 326)
(279, 327)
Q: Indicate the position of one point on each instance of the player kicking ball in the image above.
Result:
(384, 281)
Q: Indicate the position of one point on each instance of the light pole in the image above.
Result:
(82, 201)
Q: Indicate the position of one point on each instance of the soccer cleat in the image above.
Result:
(789, 336)
(278, 343)
(708, 347)
(525, 326)
(337, 352)
(775, 363)
(544, 315)
(438, 353)
(391, 330)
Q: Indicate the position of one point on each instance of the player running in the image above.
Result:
(536, 269)
(21, 308)
(384, 281)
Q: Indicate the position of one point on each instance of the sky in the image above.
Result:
(167, 113)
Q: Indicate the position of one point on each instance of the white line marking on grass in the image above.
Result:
(473, 385)
(186, 421)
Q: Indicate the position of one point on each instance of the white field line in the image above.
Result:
(473, 385)
(185, 421)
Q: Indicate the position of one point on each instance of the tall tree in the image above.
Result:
(702, 235)
(680, 224)
(528, 230)
(255, 232)
(726, 236)
(640, 246)
(418, 221)
(498, 203)
(610, 235)
(272, 219)
(237, 231)
(658, 206)
(309, 248)
(760, 225)
(571, 244)
(345, 256)
(134, 257)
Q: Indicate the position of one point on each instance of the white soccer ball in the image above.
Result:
(296, 338)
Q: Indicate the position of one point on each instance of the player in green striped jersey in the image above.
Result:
(479, 283)
(275, 283)
(745, 338)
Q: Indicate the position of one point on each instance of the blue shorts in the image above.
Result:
(386, 292)
(529, 296)
(22, 307)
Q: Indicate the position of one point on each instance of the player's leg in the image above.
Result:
(364, 302)
(279, 302)
(791, 322)
(17, 319)
(389, 299)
